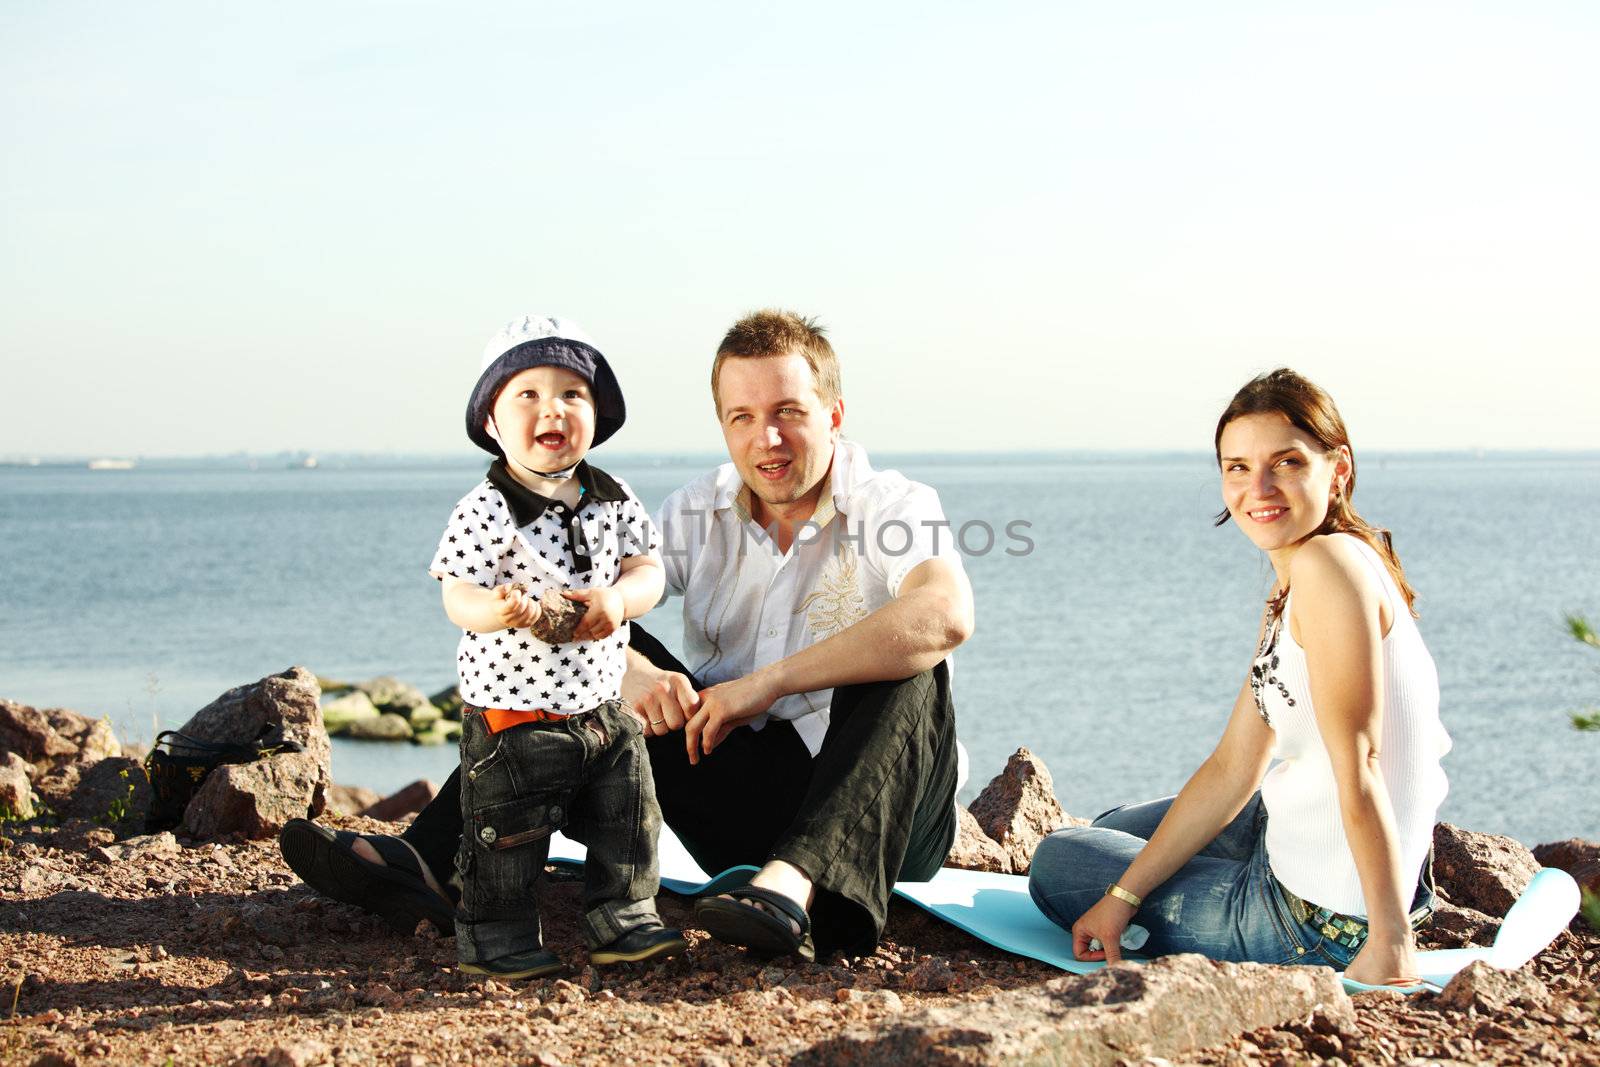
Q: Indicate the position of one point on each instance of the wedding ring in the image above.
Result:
(657, 722)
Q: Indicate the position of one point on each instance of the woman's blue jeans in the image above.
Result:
(1224, 903)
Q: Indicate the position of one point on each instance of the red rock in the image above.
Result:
(1018, 809)
(257, 798)
(351, 799)
(1487, 989)
(975, 850)
(54, 1058)
(1123, 1013)
(407, 801)
(114, 792)
(27, 732)
(148, 846)
(558, 617)
(16, 792)
(931, 975)
(55, 786)
(1453, 926)
(94, 738)
(301, 1053)
(254, 799)
(1482, 871)
(1577, 857)
(80, 835)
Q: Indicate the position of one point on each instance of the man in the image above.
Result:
(814, 736)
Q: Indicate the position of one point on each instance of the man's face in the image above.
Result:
(780, 433)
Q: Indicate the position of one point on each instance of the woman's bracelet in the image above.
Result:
(1115, 890)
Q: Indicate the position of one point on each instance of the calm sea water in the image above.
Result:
(1113, 649)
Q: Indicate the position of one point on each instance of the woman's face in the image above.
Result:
(1277, 480)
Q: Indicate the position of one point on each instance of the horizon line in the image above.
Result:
(56, 459)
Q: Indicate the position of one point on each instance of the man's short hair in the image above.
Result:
(774, 332)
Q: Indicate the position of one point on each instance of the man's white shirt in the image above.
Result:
(745, 604)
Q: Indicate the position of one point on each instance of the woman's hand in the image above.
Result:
(1104, 922)
(1385, 963)
(663, 700)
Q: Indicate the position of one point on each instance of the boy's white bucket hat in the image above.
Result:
(540, 341)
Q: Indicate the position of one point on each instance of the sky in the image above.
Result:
(230, 227)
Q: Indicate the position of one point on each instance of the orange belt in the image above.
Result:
(497, 719)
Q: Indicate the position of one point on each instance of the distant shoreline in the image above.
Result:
(280, 461)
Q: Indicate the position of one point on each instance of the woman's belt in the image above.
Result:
(1346, 930)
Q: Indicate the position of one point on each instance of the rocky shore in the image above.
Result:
(200, 946)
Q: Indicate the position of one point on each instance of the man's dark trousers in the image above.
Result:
(875, 805)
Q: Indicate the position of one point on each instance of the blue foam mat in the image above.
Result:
(996, 908)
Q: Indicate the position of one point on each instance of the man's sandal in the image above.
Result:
(395, 890)
(761, 931)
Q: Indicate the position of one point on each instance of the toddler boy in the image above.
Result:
(546, 742)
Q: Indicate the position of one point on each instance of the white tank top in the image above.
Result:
(1306, 844)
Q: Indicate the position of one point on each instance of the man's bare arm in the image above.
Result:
(928, 618)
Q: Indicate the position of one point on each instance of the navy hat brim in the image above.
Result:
(583, 360)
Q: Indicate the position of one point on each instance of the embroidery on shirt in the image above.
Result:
(837, 601)
(1266, 662)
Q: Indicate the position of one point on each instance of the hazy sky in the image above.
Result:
(1054, 225)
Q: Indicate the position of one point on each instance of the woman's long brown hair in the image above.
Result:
(1308, 407)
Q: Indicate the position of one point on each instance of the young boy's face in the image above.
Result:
(543, 419)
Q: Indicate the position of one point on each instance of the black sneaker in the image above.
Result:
(642, 943)
(535, 964)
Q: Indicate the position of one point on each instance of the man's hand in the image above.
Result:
(724, 707)
(605, 612)
(663, 700)
(1105, 923)
(513, 607)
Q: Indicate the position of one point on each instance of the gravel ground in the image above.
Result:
(150, 952)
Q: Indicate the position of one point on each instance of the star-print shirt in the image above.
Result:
(503, 532)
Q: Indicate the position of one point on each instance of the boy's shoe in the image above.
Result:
(535, 964)
(642, 943)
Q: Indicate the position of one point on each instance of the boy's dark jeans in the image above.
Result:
(876, 805)
(588, 775)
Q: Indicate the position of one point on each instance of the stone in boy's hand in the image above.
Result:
(516, 606)
(558, 618)
(606, 611)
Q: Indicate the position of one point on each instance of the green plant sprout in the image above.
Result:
(1579, 628)
(1590, 910)
(121, 807)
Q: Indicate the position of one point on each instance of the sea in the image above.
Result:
(1115, 622)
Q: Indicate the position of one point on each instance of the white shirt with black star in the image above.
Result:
(483, 544)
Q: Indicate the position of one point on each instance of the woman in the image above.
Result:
(1325, 863)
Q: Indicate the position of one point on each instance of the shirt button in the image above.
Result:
(772, 633)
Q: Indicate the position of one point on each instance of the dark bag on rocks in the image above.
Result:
(178, 763)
